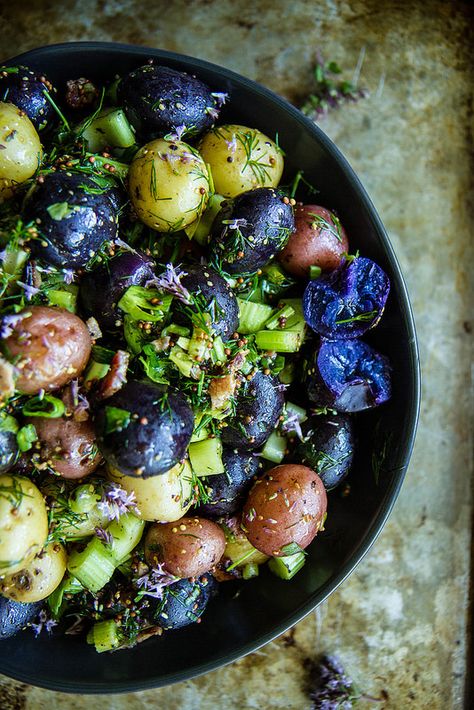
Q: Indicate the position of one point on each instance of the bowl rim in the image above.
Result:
(391, 494)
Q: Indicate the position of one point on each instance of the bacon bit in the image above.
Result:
(94, 328)
(221, 390)
(80, 93)
(116, 376)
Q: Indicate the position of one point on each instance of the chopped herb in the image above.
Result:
(116, 419)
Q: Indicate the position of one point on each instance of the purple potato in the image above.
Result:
(348, 301)
(183, 602)
(103, 287)
(9, 452)
(14, 616)
(227, 491)
(328, 447)
(158, 100)
(349, 376)
(258, 406)
(144, 429)
(217, 294)
(250, 229)
(25, 88)
(70, 218)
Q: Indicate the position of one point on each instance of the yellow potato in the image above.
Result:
(241, 159)
(39, 578)
(23, 522)
(164, 498)
(169, 185)
(20, 148)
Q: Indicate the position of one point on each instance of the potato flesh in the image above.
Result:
(241, 159)
(163, 498)
(20, 148)
(39, 578)
(168, 184)
(23, 522)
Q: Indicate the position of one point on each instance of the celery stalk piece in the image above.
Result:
(280, 341)
(187, 366)
(95, 371)
(250, 570)
(206, 457)
(275, 447)
(286, 567)
(292, 408)
(64, 298)
(94, 566)
(253, 316)
(284, 313)
(126, 534)
(201, 228)
(105, 636)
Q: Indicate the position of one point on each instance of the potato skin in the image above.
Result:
(23, 522)
(20, 152)
(52, 346)
(168, 184)
(163, 498)
(68, 446)
(187, 548)
(312, 243)
(39, 578)
(286, 505)
(241, 159)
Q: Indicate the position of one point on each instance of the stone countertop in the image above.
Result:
(399, 622)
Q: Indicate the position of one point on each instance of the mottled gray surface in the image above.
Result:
(399, 622)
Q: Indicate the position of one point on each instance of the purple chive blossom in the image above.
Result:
(281, 387)
(3, 256)
(292, 424)
(332, 688)
(8, 323)
(43, 623)
(153, 583)
(103, 534)
(213, 112)
(69, 276)
(123, 245)
(220, 97)
(82, 404)
(235, 223)
(75, 391)
(187, 157)
(177, 134)
(170, 282)
(232, 145)
(116, 501)
(30, 291)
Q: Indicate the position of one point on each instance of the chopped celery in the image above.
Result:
(126, 534)
(206, 457)
(197, 347)
(295, 409)
(147, 304)
(65, 298)
(286, 567)
(118, 169)
(95, 371)
(199, 434)
(26, 437)
(173, 329)
(68, 585)
(14, 260)
(275, 447)
(250, 570)
(252, 316)
(201, 228)
(94, 566)
(282, 315)
(105, 636)
(109, 129)
(280, 341)
(218, 350)
(183, 342)
(187, 366)
(287, 375)
(83, 499)
(8, 423)
(314, 272)
(47, 406)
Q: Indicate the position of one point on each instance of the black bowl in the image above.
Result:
(236, 624)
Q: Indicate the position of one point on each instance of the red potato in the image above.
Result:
(287, 505)
(187, 548)
(67, 446)
(318, 240)
(49, 347)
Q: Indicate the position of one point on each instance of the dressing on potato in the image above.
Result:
(39, 578)
(20, 148)
(241, 159)
(169, 185)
